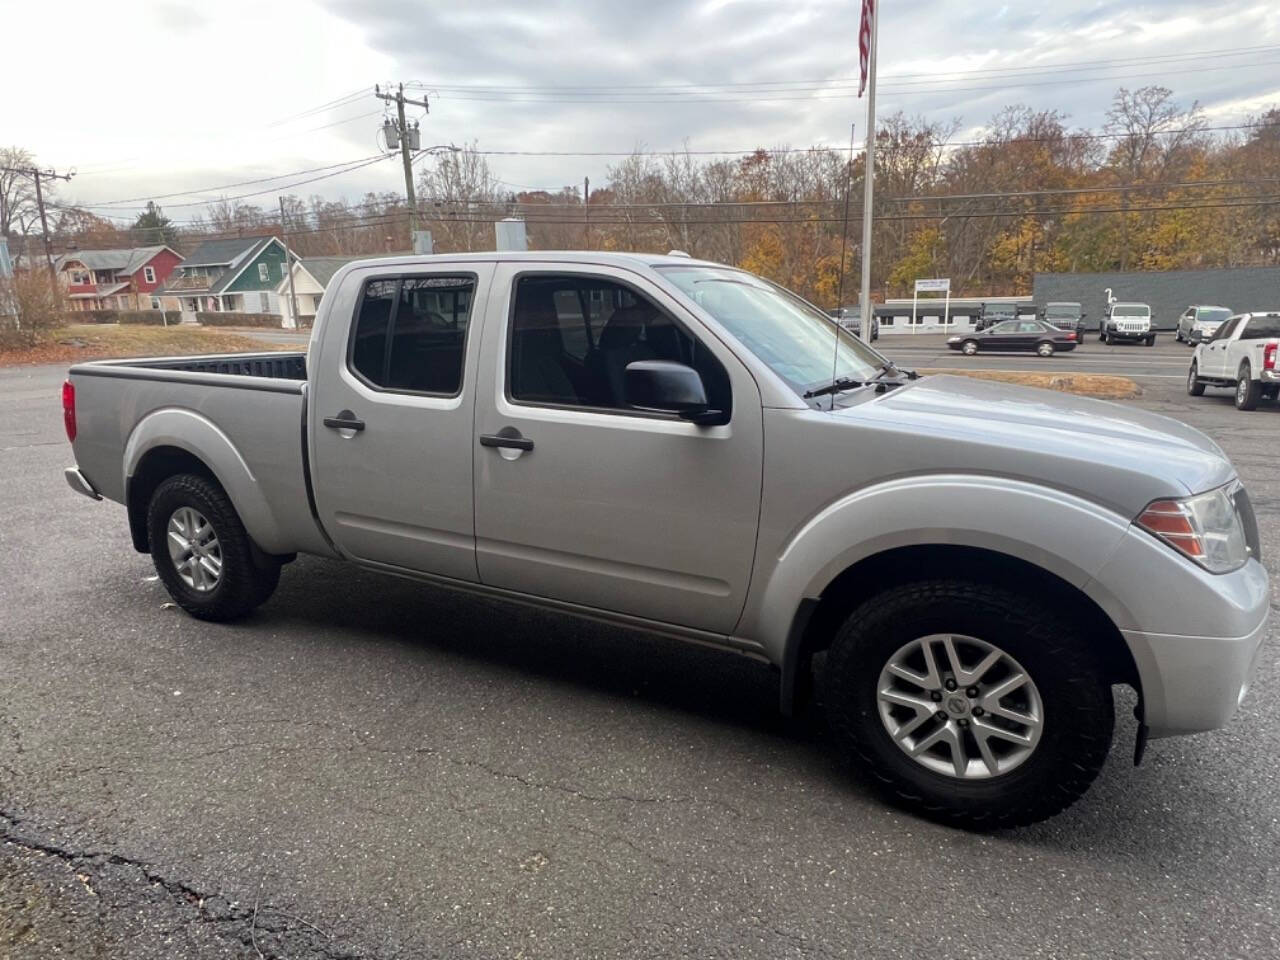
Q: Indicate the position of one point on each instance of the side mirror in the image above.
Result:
(668, 387)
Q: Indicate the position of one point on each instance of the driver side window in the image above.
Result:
(572, 337)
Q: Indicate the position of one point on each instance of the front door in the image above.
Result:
(608, 507)
(391, 417)
(1213, 355)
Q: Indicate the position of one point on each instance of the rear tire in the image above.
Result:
(1248, 390)
(1045, 349)
(1195, 387)
(202, 552)
(1010, 783)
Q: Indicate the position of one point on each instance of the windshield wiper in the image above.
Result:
(839, 385)
(891, 369)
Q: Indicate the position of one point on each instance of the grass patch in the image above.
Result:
(1100, 385)
(80, 342)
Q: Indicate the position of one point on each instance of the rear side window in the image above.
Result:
(1261, 328)
(410, 333)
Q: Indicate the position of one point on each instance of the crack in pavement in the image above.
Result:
(108, 875)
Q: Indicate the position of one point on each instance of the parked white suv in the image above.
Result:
(1242, 354)
(1127, 323)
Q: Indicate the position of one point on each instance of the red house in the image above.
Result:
(116, 279)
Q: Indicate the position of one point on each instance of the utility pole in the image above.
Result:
(586, 213)
(408, 142)
(293, 297)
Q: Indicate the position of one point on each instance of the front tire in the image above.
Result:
(1151, 341)
(1110, 340)
(203, 554)
(970, 703)
(1195, 387)
(969, 348)
(1248, 390)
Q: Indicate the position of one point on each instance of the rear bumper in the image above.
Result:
(78, 482)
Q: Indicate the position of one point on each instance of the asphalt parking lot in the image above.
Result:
(371, 767)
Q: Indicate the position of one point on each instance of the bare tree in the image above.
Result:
(17, 192)
(462, 198)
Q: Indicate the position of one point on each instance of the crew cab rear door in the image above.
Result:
(580, 498)
(391, 406)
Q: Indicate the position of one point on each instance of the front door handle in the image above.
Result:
(345, 420)
(508, 438)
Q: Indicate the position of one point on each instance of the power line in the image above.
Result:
(1065, 137)
(1033, 69)
(228, 186)
(768, 96)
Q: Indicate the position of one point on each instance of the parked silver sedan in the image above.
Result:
(1198, 323)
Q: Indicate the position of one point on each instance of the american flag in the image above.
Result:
(864, 42)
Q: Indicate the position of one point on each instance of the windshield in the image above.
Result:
(795, 339)
(1131, 310)
(1062, 311)
(1212, 315)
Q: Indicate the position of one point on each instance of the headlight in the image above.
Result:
(1205, 528)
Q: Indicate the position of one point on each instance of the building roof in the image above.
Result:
(1168, 292)
(322, 269)
(225, 252)
(129, 260)
(241, 250)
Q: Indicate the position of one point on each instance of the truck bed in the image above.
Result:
(243, 415)
(270, 366)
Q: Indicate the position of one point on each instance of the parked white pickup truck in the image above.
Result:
(1243, 355)
(685, 448)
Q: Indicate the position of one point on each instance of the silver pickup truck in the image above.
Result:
(683, 447)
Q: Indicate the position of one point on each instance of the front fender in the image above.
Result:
(1065, 535)
(187, 430)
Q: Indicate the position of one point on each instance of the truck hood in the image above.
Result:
(1102, 451)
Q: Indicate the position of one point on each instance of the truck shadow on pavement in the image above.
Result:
(1161, 813)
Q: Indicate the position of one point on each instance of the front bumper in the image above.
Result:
(1127, 336)
(1195, 636)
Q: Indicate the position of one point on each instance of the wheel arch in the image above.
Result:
(817, 619)
(176, 440)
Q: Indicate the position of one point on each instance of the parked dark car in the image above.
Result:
(1027, 336)
(850, 318)
(1065, 315)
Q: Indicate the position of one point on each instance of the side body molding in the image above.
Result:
(1065, 535)
(190, 431)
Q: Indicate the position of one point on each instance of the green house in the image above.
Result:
(236, 274)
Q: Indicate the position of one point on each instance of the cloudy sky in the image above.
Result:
(153, 97)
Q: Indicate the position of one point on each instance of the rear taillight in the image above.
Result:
(69, 409)
(1071, 335)
(1269, 356)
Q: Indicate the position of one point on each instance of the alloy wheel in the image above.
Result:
(960, 706)
(194, 549)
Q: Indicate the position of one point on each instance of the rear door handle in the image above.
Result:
(345, 420)
(508, 438)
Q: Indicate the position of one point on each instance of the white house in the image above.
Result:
(311, 275)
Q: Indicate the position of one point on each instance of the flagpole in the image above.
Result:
(869, 176)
